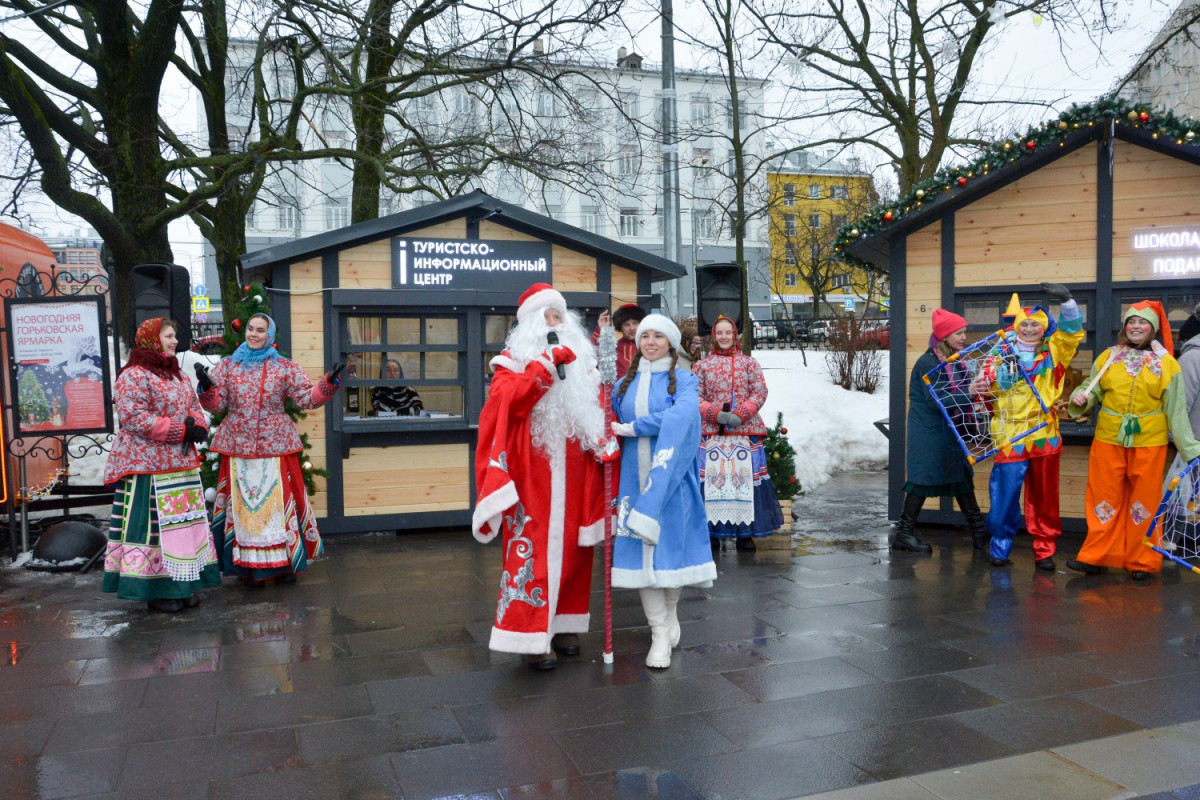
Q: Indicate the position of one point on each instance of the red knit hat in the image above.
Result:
(538, 298)
(946, 322)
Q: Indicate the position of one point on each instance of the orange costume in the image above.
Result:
(1141, 396)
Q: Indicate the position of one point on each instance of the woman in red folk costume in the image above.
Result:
(261, 517)
(738, 496)
(159, 547)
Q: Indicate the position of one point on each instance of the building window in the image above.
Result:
(837, 220)
(789, 224)
(404, 366)
(627, 160)
(839, 192)
(841, 280)
(789, 255)
(789, 194)
(250, 217)
(814, 191)
(814, 252)
(629, 104)
(701, 111)
(590, 219)
(334, 140)
(814, 220)
(337, 213)
(703, 221)
(791, 280)
(629, 222)
(287, 216)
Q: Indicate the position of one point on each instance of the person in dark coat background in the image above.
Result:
(936, 465)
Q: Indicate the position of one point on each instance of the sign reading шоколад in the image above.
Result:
(1166, 252)
(469, 264)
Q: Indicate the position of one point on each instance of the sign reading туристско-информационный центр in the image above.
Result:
(469, 264)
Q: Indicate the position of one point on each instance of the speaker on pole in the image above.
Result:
(718, 293)
(163, 290)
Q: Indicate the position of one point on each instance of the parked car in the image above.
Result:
(820, 331)
(878, 336)
(764, 331)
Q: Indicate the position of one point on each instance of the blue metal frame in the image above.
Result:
(995, 340)
(1149, 542)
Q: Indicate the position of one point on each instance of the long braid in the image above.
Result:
(629, 376)
(671, 380)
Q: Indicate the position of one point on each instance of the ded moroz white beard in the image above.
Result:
(571, 408)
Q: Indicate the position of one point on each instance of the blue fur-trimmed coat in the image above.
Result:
(662, 529)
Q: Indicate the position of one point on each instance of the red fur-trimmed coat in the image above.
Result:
(257, 426)
(737, 380)
(151, 410)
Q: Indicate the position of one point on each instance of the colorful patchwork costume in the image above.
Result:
(1031, 462)
(1141, 395)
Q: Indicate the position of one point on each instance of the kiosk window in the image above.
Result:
(404, 366)
(495, 330)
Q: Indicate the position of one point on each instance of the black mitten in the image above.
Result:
(204, 382)
(193, 432)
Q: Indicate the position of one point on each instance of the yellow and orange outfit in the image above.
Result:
(1031, 462)
(1141, 396)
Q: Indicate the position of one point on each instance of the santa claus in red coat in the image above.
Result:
(539, 479)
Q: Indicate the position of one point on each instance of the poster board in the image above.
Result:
(58, 367)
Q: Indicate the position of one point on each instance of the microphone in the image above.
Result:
(552, 339)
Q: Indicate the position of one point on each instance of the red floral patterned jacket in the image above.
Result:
(737, 380)
(151, 410)
(257, 425)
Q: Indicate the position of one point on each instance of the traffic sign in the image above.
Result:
(201, 317)
(199, 305)
(849, 303)
(199, 290)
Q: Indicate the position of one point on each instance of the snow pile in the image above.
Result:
(832, 429)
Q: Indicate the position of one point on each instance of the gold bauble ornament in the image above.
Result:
(1132, 116)
(854, 233)
(920, 193)
(1190, 135)
(1062, 125)
(307, 466)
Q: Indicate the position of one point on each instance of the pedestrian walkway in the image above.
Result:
(839, 668)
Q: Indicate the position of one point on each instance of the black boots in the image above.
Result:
(906, 537)
(976, 524)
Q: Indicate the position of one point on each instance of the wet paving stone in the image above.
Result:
(830, 666)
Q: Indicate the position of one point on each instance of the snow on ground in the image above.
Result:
(831, 429)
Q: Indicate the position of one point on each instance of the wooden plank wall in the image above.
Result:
(308, 351)
(624, 286)
(407, 480)
(1150, 190)
(1043, 224)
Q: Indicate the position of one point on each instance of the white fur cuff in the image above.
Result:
(647, 528)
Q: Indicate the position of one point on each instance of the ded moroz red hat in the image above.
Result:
(538, 298)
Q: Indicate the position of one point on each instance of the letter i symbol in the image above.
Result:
(403, 263)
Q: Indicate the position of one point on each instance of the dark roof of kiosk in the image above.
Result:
(875, 247)
(476, 204)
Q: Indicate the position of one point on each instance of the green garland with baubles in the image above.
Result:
(253, 303)
(1052, 133)
(781, 461)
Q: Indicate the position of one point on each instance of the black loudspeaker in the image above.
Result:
(718, 293)
(163, 290)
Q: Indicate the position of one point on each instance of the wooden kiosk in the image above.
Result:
(424, 299)
(1103, 199)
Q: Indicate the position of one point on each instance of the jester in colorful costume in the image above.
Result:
(1141, 394)
(1044, 351)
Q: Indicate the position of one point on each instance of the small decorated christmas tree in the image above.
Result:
(781, 461)
(35, 408)
(254, 302)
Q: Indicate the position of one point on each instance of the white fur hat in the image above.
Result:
(662, 324)
(538, 298)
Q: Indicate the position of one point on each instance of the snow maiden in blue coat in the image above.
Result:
(662, 529)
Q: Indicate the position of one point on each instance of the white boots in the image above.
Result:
(659, 605)
(671, 596)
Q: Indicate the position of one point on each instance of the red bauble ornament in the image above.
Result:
(236, 324)
(275, 345)
(887, 216)
(793, 479)
(962, 181)
(783, 431)
(1030, 146)
(246, 288)
(1144, 117)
